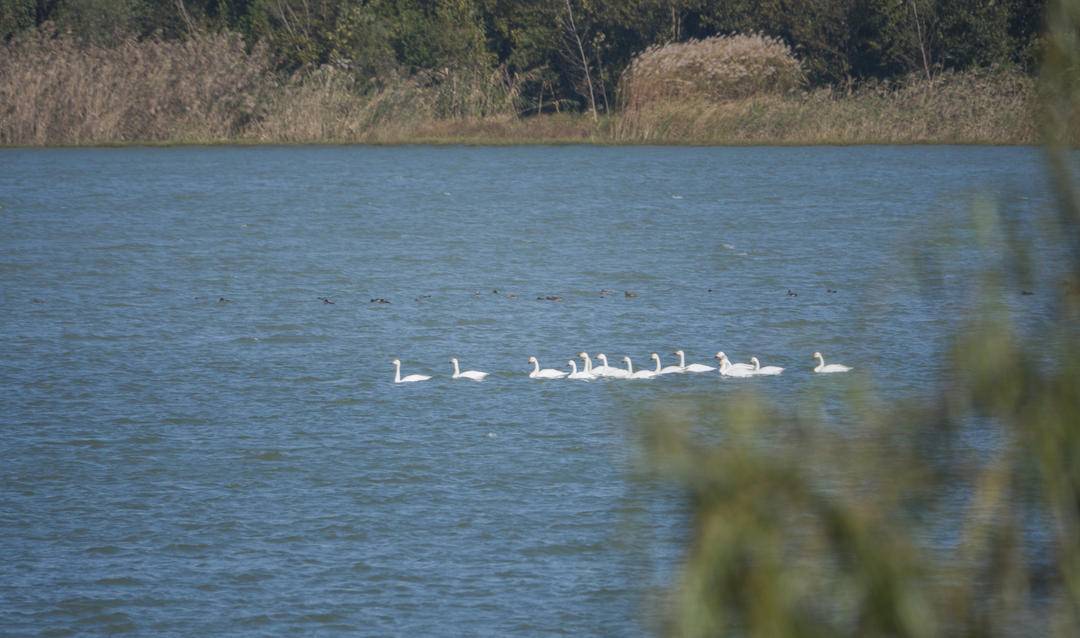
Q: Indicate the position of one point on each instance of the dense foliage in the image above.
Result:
(567, 53)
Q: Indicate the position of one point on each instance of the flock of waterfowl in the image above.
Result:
(588, 372)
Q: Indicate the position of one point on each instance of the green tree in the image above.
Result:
(16, 16)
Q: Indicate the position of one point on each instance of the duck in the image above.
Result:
(832, 367)
(640, 374)
(767, 370)
(727, 369)
(546, 373)
(412, 378)
(472, 375)
(574, 374)
(609, 371)
(693, 367)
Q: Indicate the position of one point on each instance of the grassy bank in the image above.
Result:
(211, 89)
(952, 109)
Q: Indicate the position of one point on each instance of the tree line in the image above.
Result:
(565, 53)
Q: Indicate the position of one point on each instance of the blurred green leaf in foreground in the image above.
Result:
(802, 529)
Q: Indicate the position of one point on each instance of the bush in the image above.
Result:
(716, 69)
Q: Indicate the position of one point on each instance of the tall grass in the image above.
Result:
(54, 90)
(329, 105)
(975, 107)
(730, 90)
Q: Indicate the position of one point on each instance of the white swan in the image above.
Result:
(655, 357)
(609, 371)
(733, 366)
(412, 378)
(604, 370)
(693, 367)
(472, 375)
(546, 373)
(640, 374)
(669, 369)
(588, 365)
(767, 370)
(727, 369)
(832, 367)
(574, 374)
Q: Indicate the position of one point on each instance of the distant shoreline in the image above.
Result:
(578, 129)
(60, 93)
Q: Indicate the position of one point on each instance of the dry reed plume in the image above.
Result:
(714, 69)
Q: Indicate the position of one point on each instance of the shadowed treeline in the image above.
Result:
(850, 71)
(896, 525)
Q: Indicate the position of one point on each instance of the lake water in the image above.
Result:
(175, 464)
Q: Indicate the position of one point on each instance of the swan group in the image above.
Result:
(605, 370)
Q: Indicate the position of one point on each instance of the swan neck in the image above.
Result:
(397, 373)
(536, 366)
(457, 371)
(629, 366)
(682, 360)
(658, 365)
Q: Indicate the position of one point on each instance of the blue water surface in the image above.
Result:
(193, 442)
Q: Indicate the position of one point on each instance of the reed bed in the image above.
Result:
(328, 105)
(985, 107)
(211, 88)
(54, 90)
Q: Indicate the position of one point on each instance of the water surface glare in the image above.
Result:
(195, 443)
